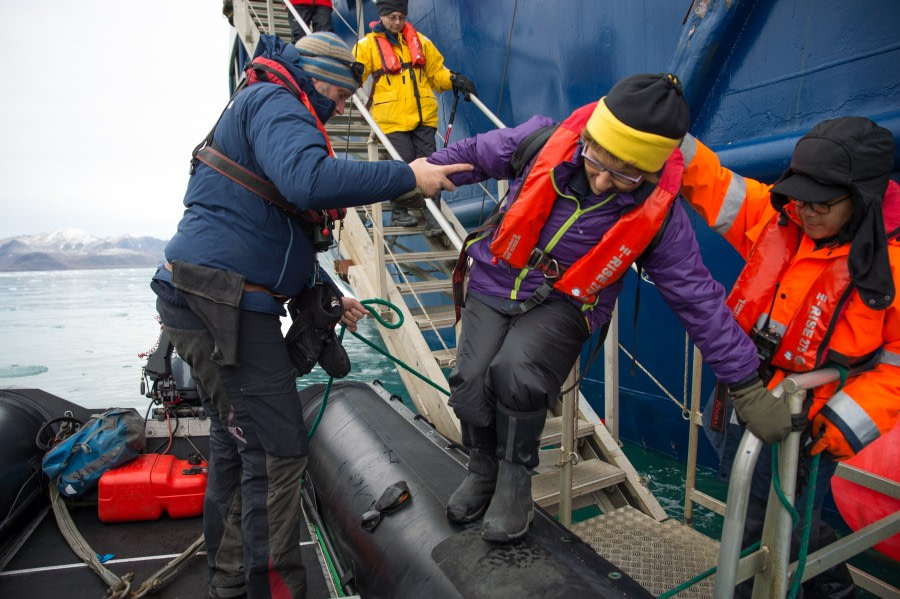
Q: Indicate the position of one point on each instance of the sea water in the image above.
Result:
(84, 334)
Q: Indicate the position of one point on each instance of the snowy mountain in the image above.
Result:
(77, 249)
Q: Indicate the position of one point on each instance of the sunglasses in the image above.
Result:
(357, 68)
(820, 207)
(620, 177)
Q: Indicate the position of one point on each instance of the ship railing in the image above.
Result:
(770, 564)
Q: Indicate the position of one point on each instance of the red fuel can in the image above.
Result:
(149, 485)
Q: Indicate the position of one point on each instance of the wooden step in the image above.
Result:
(411, 257)
(354, 117)
(446, 358)
(587, 476)
(357, 146)
(552, 434)
(441, 317)
(437, 285)
(338, 131)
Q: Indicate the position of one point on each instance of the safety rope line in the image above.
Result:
(683, 406)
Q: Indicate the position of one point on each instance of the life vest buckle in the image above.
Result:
(544, 263)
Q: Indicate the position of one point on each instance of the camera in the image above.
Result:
(766, 342)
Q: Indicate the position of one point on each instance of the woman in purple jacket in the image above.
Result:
(600, 194)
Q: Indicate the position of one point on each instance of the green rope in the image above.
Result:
(776, 482)
(390, 325)
(691, 582)
(807, 524)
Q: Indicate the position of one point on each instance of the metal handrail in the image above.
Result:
(770, 564)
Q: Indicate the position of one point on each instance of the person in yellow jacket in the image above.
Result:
(407, 69)
(823, 267)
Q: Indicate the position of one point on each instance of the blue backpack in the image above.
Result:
(106, 441)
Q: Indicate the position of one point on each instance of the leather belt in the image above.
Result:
(250, 287)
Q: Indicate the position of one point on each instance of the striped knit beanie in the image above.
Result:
(324, 56)
(641, 120)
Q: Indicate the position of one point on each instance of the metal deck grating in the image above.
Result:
(659, 555)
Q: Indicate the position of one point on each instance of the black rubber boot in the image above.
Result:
(473, 495)
(512, 510)
(432, 228)
(400, 217)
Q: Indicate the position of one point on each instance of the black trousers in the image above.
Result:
(317, 17)
(519, 362)
(418, 143)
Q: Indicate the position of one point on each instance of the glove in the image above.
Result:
(766, 416)
(828, 438)
(463, 84)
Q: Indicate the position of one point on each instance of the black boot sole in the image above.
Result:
(468, 517)
(500, 537)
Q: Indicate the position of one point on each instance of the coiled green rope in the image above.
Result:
(391, 325)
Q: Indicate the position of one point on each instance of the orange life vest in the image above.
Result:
(805, 339)
(390, 63)
(517, 237)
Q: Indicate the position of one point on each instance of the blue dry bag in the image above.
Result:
(106, 441)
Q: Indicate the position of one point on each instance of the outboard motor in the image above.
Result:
(167, 379)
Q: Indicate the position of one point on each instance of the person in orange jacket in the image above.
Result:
(819, 288)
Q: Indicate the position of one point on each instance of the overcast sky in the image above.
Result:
(100, 106)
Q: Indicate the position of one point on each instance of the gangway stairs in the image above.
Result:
(412, 272)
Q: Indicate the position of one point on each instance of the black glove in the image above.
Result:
(311, 338)
(463, 84)
(765, 415)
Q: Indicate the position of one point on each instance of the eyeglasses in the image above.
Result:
(620, 177)
(397, 18)
(357, 68)
(820, 207)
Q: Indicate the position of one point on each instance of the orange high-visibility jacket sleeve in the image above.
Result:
(877, 392)
(735, 206)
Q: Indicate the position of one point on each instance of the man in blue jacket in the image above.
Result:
(233, 262)
(600, 195)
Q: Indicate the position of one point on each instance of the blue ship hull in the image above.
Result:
(757, 74)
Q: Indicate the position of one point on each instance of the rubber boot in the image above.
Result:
(511, 511)
(400, 217)
(471, 498)
(432, 228)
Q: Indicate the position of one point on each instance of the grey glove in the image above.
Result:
(765, 415)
